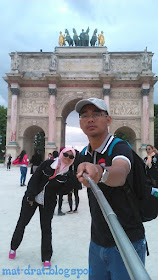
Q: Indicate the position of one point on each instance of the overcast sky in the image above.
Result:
(31, 25)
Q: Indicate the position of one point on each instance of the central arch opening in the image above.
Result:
(34, 138)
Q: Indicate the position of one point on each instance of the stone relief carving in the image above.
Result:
(133, 124)
(31, 106)
(64, 98)
(125, 108)
(23, 125)
(53, 63)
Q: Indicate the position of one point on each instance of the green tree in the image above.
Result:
(39, 142)
(3, 124)
(122, 136)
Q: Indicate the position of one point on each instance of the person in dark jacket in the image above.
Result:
(77, 187)
(52, 177)
(36, 161)
(9, 162)
(151, 165)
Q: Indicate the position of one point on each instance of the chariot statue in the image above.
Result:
(94, 38)
(68, 38)
(101, 40)
(61, 39)
(76, 38)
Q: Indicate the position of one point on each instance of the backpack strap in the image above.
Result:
(115, 141)
(83, 151)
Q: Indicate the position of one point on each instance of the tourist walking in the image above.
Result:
(23, 161)
(9, 162)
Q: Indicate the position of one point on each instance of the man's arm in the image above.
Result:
(118, 172)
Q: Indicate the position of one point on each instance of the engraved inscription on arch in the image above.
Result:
(132, 94)
(35, 94)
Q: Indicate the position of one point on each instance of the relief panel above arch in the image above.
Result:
(135, 125)
(34, 108)
(26, 123)
(125, 108)
(67, 95)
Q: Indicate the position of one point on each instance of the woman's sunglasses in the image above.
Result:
(67, 155)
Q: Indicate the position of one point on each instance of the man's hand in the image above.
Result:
(93, 170)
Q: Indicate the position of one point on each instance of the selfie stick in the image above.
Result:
(133, 263)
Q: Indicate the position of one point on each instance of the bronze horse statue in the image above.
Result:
(68, 38)
(94, 38)
(87, 37)
(76, 38)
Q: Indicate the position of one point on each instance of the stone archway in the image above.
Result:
(41, 94)
(29, 138)
(67, 109)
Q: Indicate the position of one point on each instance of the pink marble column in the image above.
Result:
(145, 119)
(52, 115)
(106, 94)
(13, 120)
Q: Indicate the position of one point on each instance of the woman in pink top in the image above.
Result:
(23, 160)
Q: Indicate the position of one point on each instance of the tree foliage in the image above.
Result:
(39, 142)
(122, 136)
(3, 124)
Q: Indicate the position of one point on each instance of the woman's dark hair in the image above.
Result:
(55, 154)
(23, 152)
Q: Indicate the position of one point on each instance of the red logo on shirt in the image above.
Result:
(101, 161)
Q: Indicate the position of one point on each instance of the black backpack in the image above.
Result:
(139, 194)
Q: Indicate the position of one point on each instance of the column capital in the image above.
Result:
(52, 91)
(15, 91)
(145, 92)
(106, 89)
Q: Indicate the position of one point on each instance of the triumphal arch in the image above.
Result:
(43, 88)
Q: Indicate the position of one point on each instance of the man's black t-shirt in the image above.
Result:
(116, 196)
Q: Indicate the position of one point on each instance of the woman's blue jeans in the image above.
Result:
(107, 264)
(23, 171)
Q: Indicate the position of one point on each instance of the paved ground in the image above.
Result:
(71, 234)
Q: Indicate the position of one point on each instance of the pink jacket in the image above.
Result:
(25, 161)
